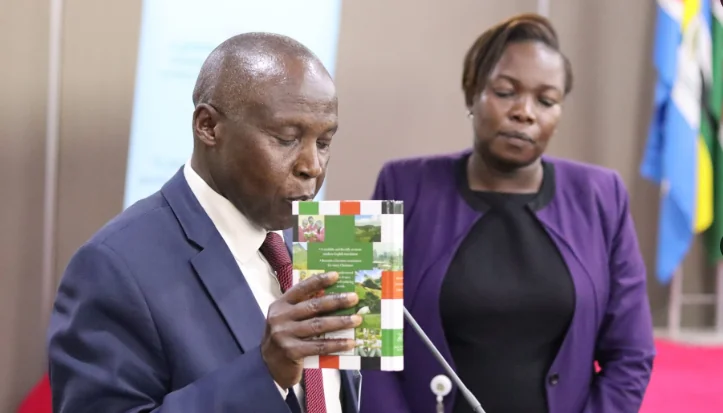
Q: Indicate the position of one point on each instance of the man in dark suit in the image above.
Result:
(183, 303)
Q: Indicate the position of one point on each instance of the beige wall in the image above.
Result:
(98, 75)
(398, 77)
(23, 87)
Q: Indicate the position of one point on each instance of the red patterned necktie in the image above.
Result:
(276, 253)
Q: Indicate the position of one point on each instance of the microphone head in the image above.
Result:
(441, 385)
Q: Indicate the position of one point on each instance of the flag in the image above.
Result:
(713, 123)
(676, 155)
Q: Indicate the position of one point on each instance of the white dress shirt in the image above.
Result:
(244, 241)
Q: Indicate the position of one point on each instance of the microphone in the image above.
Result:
(476, 406)
(441, 386)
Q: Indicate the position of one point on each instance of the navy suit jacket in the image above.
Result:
(154, 315)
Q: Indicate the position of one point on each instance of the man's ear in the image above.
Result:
(205, 120)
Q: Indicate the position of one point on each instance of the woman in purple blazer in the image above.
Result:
(523, 269)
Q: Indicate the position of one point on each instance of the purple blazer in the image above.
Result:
(589, 220)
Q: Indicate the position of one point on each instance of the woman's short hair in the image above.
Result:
(486, 51)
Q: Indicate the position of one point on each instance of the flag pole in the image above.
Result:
(675, 302)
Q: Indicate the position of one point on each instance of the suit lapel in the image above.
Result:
(216, 266)
(228, 288)
(289, 239)
(226, 285)
(351, 387)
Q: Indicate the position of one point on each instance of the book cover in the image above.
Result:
(363, 241)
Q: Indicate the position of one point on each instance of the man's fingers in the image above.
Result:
(322, 305)
(306, 348)
(320, 325)
(310, 286)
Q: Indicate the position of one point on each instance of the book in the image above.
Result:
(363, 241)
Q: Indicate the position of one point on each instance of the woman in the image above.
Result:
(524, 270)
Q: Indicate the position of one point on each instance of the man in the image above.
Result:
(175, 305)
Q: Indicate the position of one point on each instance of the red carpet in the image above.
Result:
(38, 401)
(685, 378)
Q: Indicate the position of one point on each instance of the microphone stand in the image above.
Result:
(476, 406)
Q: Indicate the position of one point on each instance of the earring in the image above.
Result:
(469, 114)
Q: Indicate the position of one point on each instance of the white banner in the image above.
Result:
(176, 36)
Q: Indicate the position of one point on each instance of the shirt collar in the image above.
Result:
(242, 237)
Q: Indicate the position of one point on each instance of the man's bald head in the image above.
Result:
(265, 114)
(238, 70)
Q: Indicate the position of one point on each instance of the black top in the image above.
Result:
(506, 301)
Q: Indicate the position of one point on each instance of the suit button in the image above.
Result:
(553, 379)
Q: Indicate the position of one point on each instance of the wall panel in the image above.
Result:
(23, 89)
(100, 45)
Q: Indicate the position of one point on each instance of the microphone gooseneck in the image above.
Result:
(476, 406)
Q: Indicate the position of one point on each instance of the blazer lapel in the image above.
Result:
(216, 266)
(228, 288)
(351, 386)
(289, 239)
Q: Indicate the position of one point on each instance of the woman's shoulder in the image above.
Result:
(418, 179)
(585, 190)
(581, 177)
(414, 165)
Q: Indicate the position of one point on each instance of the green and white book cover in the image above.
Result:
(363, 241)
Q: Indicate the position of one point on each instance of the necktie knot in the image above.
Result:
(274, 249)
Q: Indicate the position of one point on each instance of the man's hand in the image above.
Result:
(296, 318)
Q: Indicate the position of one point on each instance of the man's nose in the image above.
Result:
(308, 164)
